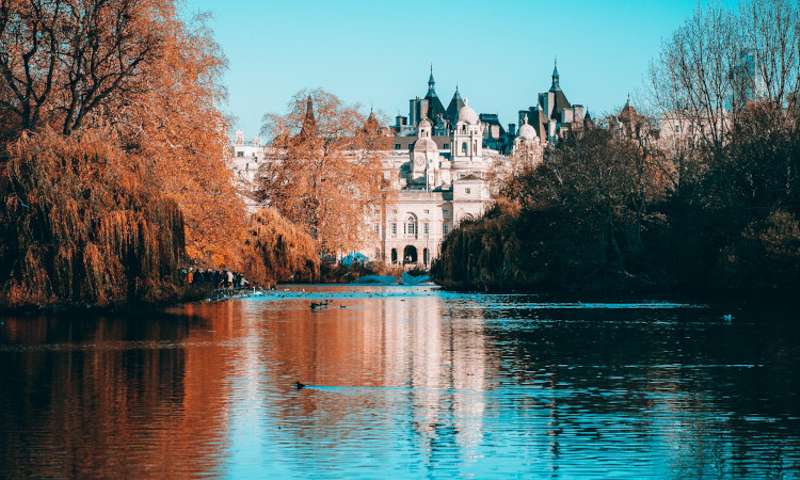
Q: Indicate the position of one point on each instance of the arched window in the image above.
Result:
(394, 255)
(464, 148)
(426, 256)
(411, 226)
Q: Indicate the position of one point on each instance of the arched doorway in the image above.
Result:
(394, 255)
(409, 255)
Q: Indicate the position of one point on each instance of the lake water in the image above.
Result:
(402, 382)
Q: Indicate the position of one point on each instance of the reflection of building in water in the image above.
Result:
(435, 366)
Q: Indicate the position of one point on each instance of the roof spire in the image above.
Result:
(555, 86)
(431, 84)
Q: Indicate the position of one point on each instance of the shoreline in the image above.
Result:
(778, 301)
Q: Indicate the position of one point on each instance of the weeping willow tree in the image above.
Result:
(81, 225)
(111, 152)
(278, 250)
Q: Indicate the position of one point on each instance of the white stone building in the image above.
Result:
(438, 181)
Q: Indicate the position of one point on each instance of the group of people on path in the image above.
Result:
(217, 278)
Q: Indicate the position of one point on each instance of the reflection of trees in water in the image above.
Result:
(176, 395)
(433, 372)
(676, 378)
(103, 397)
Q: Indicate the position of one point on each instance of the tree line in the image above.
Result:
(112, 148)
(702, 196)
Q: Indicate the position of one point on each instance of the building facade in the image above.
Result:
(438, 170)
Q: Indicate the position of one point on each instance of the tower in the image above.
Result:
(431, 85)
(467, 142)
(555, 86)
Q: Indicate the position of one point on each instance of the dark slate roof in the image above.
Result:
(453, 108)
(561, 104)
(492, 119)
(435, 107)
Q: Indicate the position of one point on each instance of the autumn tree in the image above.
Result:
(63, 60)
(325, 169)
(727, 84)
(720, 60)
(130, 74)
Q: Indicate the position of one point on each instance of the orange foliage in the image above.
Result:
(327, 175)
(88, 227)
(111, 152)
(279, 251)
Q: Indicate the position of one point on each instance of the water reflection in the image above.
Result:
(412, 382)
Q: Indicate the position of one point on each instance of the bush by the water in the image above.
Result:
(701, 197)
(276, 250)
(598, 216)
(79, 224)
(112, 158)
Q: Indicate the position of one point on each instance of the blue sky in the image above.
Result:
(377, 53)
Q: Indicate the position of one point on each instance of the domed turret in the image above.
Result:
(424, 125)
(425, 144)
(526, 131)
(424, 141)
(467, 115)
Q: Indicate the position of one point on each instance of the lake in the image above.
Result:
(402, 382)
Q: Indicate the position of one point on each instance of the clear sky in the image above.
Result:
(377, 52)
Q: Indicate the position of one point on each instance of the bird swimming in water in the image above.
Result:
(322, 304)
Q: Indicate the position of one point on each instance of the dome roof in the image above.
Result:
(425, 144)
(526, 131)
(424, 123)
(467, 115)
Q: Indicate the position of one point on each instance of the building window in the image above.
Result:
(411, 226)
(427, 211)
(446, 146)
(394, 255)
(394, 229)
(240, 154)
(445, 229)
(427, 228)
(426, 256)
(467, 191)
(464, 148)
(397, 146)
